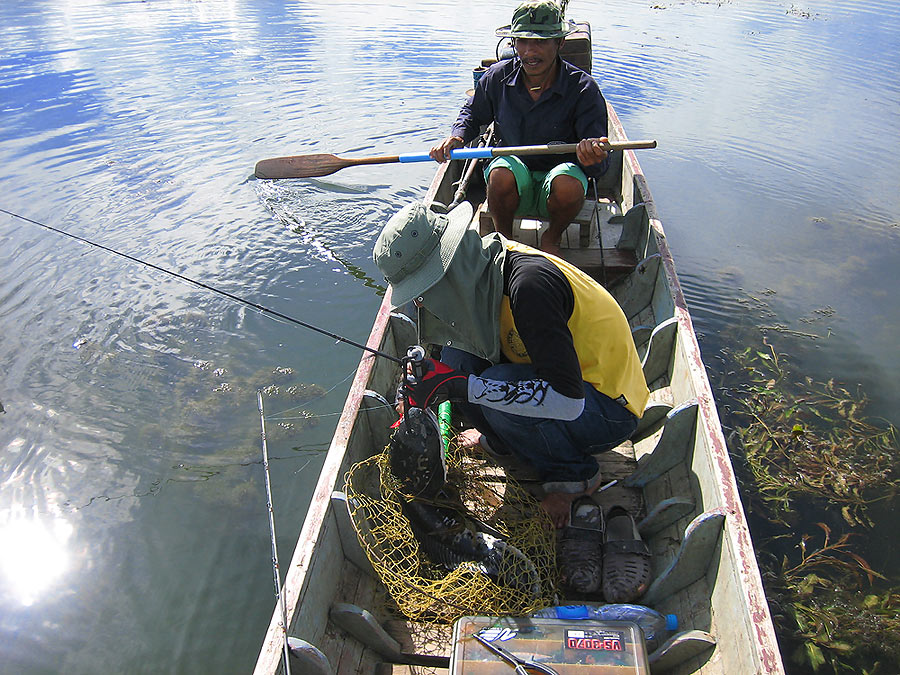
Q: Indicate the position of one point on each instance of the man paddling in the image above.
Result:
(538, 354)
(536, 98)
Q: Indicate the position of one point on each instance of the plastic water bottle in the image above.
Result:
(656, 627)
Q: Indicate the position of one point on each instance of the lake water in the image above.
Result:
(133, 526)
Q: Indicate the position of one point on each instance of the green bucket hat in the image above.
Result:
(414, 249)
(537, 19)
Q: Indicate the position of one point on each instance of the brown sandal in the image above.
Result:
(581, 547)
(626, 558)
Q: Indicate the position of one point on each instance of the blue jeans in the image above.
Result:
(560, 451)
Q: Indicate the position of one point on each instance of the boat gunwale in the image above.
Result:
(736, 526)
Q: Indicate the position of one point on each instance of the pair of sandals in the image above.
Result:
(603, 554)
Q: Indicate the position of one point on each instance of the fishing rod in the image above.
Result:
(275, 566)
(230, 296)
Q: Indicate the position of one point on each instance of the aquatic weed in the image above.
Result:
(808, 448)
(810, 438)
(821, 601)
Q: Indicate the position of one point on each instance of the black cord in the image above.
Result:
(261, 308)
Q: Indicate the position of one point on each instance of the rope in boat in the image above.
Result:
(231, 296)
(275, 567)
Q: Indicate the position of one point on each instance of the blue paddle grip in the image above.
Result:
(471, 153)
(414, 157)
(458, 153)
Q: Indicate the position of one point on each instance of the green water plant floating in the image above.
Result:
(820, 604)
(811, 439)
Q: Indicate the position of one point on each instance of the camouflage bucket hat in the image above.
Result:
(537, 19)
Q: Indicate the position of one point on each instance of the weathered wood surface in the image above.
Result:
(665, 513)
(635, 227)
(349, 540)
(362, 624)
(365, 627)
(654, 417)
(635, 291)
(307, 658)
(693, 559)
(679, 649)
(660, 350)
(676, 442)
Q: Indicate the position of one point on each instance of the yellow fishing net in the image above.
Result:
(424, 591)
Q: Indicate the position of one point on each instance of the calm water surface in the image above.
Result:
(133, 529)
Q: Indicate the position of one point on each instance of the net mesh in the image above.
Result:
(424, 591)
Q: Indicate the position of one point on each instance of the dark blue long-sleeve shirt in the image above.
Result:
(571, 110)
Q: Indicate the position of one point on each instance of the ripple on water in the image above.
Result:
(137, 125)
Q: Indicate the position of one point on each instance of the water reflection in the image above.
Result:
(137, 124)
(34, 555)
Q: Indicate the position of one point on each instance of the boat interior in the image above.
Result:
(674, 475)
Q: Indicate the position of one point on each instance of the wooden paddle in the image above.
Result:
(310, 166)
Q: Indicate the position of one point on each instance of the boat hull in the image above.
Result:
(677, 471)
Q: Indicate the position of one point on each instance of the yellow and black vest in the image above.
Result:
(600, 331)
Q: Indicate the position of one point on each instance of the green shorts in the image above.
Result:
(534, 186)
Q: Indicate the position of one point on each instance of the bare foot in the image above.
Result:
(468, 439)
(552, 249)
(558, 506)
(550, 244)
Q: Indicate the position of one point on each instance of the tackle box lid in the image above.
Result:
(570, 647)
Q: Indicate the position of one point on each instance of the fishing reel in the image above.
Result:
(413, 369)
(427, 381)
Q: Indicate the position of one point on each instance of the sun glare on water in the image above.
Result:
(33, 555)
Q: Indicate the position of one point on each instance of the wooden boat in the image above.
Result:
(676, 469)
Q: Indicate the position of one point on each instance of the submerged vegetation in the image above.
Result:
(810, 454)
(823, 601)
(811, 442)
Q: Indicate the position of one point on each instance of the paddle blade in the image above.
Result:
(299, 166)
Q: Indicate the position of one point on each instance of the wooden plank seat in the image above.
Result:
(362, 625)
(635, 227)
(656, 364)
(403, 328)
(353, 550)
(641, 336)
(665, 513)
(634, 291)
(605, 265)
(672, 448)
(657, 360)
(583, 232)
(654, 416)
(584, 242)
(679, 648)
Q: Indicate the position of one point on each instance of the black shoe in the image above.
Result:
(580, 553)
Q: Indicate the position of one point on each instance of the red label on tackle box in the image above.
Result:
(595, 640)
